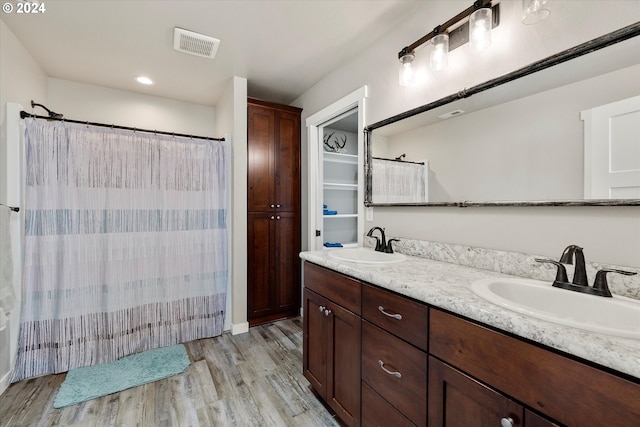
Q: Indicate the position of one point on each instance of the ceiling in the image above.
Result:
(282, 48)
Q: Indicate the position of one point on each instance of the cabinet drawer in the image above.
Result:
(340, 289)
(564, 389)
(396, 370)
(379, 413)
(398, 315)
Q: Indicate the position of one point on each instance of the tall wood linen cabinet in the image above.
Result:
(273, 229)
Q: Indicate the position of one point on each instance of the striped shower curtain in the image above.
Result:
(126, 244)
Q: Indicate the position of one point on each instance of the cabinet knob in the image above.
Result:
(273, 217)
(278, 217)
(277, 206)
(394, 373)
(273, 206)
(386, 313)
(327, 312)
(321, 308)
(507, 422)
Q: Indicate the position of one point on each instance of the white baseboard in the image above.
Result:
(5, 381)
(241, 328)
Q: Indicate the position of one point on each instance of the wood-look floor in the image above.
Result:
(253, 379)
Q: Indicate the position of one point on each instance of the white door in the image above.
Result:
(612, 150)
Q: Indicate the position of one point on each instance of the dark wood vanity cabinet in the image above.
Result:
(478, 365)
(423, 366)
(332, 340)
(273, 204)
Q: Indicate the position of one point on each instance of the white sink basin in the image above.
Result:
(365, 256)
(619, 316)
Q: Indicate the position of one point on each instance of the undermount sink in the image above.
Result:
(365, 256)
(619, 316)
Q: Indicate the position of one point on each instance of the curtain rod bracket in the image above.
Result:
(12, 208)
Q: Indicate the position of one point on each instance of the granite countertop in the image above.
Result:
(448, 286)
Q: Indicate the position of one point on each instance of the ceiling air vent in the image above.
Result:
(194, 43)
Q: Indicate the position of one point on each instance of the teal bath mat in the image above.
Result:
(90, 382)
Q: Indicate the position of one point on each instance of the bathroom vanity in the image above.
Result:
(410, 344)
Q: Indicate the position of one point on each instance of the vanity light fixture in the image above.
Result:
(534, 11)
(473, 25)
(406, 72)
(480, 28)
(439, 56)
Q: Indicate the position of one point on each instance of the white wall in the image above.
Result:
(80, 101)
(609, 234)
(231, 119)
(21, 80)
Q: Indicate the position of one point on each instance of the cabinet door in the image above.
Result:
(287, 161)
(377, 412)
(260, 293)
(457, 400)
(286, 262)
(396, 370)
(343, 364)
(532, 419)
(315, 342)
(260, 158)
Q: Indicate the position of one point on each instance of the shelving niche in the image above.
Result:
(340, 193)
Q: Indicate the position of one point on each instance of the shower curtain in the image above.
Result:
(126, 244)
(399, 182)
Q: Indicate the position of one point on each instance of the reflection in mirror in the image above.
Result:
(399, 181)
(536, 139)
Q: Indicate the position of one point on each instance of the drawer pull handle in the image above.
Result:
(507, 422)
(395, 316)
(394, 373)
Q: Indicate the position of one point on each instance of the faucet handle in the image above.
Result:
(389, 248)
(561, 275)
(600, 282)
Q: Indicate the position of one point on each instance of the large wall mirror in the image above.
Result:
(562, 131)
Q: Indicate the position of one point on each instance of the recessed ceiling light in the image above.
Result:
(144, 80)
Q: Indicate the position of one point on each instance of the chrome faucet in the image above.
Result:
(381, 243)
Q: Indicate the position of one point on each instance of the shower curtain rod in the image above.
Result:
(398, 160)
(24, 115)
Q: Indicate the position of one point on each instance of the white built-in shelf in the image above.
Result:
(328, 156)
(341, 216)
(340, 186)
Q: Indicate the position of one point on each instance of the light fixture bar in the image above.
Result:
(461, 32)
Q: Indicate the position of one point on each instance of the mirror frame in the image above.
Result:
(614, 37)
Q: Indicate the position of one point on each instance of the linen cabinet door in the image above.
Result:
(286, 263)
(457, 400)
(287, 162)
(260, 269)
(315, 341)
(260, 158)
